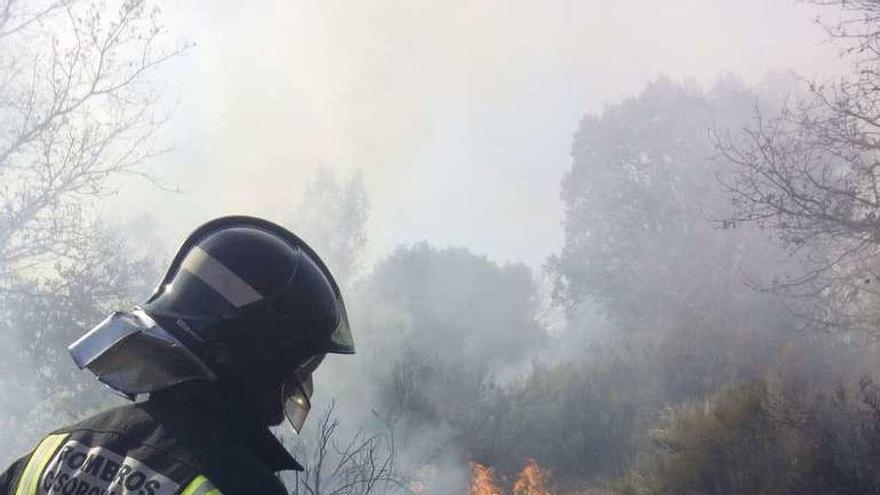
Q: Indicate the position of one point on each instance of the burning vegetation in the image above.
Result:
(483, 481)
(531, 480)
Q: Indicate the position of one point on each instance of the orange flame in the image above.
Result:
(533, 480)
(483, 481)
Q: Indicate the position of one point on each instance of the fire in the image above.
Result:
(533, 480)
(483, 481)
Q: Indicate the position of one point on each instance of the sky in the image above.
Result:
(459, 113)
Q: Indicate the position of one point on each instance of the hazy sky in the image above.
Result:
(459, 113)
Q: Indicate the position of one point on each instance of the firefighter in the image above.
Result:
(223, 349)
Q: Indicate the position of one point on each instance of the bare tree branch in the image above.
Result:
(811, 175)
(362, 465)
(14, 18)
(76, 109)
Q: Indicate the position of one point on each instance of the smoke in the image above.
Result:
(458, 113)
(455, 121)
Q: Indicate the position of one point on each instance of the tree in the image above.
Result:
(640, 205)
(453, 304)
(642, 242)
(40, 387)
(809, 174)
(77, 109)
(438, 328)
(332, 218)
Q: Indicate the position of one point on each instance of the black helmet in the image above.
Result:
(240, 284)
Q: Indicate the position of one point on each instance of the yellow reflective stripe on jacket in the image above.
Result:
(29, 482)
(200, 486)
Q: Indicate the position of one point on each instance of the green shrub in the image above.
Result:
(763, 439)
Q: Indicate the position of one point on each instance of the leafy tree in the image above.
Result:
(452, 304)
(640, 203)
(40, 386)
(332, 218)
(437, 329)
(642, 243)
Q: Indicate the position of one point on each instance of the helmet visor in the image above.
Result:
(297, 392)
(132, 354)
(341, 341)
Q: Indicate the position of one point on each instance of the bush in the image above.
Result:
(761, 439)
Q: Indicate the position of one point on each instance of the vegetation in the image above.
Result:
(77, 109)
(717, 285)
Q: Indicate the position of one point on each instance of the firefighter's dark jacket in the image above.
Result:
(156, 447)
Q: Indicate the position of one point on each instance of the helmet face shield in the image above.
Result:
(341, 341)
(296, 393)
(132, 354)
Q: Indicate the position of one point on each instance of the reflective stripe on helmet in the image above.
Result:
(201, 486)
(29, 483)
(220, 278)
